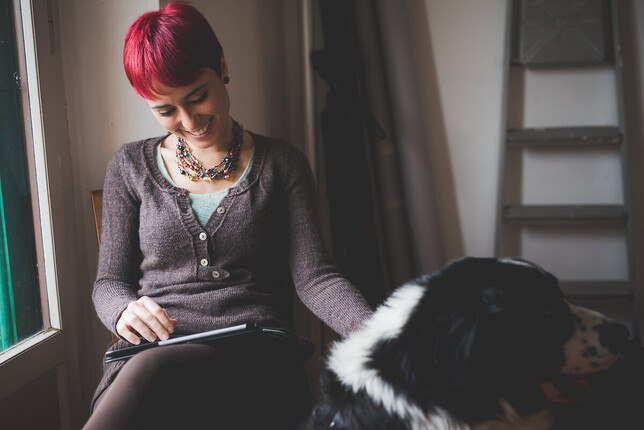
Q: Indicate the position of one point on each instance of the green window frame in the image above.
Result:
(20, 306)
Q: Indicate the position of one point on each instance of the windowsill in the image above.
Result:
(27, 344)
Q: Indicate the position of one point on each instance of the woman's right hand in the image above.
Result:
(145, 317)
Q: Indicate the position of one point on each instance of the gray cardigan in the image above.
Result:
(241, 266)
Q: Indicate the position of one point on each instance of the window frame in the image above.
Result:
(34, 133)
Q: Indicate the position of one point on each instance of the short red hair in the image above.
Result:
(169, 47)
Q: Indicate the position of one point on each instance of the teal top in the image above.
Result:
(204, 204)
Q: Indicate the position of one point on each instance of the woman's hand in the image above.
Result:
(146, 318)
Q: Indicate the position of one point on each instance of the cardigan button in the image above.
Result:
(216, 274)
(203, 236)
(221, 210)
(204, 262)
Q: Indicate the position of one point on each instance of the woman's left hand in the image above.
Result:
(145, 317)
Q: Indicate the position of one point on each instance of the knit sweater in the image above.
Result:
(241, 266)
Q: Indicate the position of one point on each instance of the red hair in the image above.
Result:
(169, 47)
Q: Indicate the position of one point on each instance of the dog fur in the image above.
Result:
(481, 344)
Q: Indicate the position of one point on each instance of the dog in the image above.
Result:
(483, 343)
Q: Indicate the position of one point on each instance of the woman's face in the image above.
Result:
(198, 112)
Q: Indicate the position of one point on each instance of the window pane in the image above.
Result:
(20, 313)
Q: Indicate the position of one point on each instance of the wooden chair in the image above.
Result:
(97, 206)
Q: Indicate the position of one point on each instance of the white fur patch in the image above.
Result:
(348, 360)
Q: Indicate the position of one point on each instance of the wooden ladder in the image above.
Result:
(544, 213)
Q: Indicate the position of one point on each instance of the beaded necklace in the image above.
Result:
(189, 165)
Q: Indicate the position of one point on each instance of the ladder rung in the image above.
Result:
(565, 214)
(563, 136)
(596, 289)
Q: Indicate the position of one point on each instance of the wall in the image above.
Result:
(262, 45)
(464, 69)
(102, 113)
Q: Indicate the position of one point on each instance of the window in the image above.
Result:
(38, 236)
(21, 310)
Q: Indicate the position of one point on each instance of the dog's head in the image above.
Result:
(477, 335)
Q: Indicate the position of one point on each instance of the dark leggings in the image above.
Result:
(197, 386)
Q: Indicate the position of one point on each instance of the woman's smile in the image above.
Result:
(200, 132)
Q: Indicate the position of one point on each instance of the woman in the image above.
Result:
(208, 226)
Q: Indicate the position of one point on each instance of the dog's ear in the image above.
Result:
(452, 349)
(459, 333)
(461, 351)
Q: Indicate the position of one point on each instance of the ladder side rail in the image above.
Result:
(638, 327)
(507, 60)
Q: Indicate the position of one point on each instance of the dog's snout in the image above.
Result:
(613, 335)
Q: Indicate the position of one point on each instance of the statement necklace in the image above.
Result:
(189, 165)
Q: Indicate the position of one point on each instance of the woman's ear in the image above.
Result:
(223, 66)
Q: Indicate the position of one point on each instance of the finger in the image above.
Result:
(154, 317)
(126, 333)
(160, 315)
(136, 317)
(142, 328)
(172, 321)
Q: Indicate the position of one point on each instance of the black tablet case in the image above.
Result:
(304, 348)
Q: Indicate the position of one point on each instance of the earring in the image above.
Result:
(226, 79)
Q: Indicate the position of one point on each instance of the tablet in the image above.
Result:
(203, 337)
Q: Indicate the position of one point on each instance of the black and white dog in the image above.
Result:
(481, 344)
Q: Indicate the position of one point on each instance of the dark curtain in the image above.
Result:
(368, 220)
